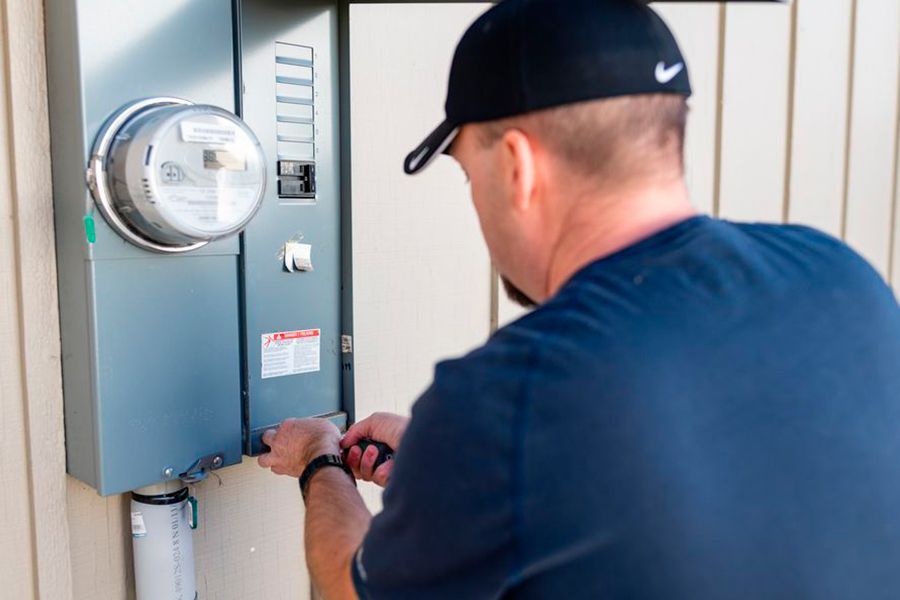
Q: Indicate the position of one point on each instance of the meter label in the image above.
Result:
(290, 352)
(208, 208)
(206, 133)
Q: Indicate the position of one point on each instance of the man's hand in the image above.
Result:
(380, 427)
(297, 442)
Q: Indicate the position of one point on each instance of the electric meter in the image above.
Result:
(170, 176)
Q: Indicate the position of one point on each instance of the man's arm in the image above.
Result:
(336, 517)
(336, 522)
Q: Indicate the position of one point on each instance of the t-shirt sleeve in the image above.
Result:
(448, 525)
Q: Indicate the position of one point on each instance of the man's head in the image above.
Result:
(550, 102)
(531, 174)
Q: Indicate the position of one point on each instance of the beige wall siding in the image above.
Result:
(421, 276)
(871, 161)
(421, 273)
(795, 117)
(33, 463)
(754, 111)
(895, 239)
(820, 103)
(17, 547)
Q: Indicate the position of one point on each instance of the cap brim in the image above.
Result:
(438, 141)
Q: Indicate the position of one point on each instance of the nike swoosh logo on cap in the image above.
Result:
(664, 75)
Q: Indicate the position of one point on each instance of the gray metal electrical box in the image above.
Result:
(197, 189)
(289, 70)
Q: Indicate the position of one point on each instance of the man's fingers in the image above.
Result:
(367, 464)
(268, 437)
(353, 457)
(383, 473)
(265, 460)
(355, 433)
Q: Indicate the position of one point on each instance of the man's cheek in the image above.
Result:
(484, 210)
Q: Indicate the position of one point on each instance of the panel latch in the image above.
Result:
(202, 466)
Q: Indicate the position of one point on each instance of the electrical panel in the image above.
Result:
(202, 269)
(292, 249)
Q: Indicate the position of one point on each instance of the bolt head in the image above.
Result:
(168, 472)
(217, 462)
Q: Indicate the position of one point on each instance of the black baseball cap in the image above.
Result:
(527, 55)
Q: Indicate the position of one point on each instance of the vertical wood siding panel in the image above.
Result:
(820, 113)
(895, 240)
(33, 253)
(100, 549)
(755, 106)
(872, 131)
(895, 243)
(421, 289)
(16, 547)
(250, 540)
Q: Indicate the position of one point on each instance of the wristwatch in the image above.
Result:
(316, 464)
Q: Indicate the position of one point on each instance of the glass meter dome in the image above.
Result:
(170, 176)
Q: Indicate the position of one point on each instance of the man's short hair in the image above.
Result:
(616, 139)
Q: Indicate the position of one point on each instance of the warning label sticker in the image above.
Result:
(290, 352)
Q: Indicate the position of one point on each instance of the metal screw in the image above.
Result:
(217, 462)
(168, 472)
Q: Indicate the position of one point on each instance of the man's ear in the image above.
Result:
(518, 162)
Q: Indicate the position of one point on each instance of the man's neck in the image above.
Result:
(599, 227)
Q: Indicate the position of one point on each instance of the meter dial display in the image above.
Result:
(171, 176)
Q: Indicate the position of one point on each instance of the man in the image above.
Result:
(696, 409)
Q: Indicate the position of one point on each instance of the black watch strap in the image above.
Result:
(316, 464)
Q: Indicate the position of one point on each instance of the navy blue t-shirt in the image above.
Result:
(713, 412)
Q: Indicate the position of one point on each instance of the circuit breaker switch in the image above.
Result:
(292, 167)
(296, 179)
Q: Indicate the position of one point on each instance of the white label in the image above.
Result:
(346, 344)
(205, 133)
(290, 352)
(298, 257)
(138, 529)
(303, 257)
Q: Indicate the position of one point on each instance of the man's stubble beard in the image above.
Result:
(516, 295)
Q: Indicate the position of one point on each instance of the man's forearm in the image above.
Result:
(336, 522)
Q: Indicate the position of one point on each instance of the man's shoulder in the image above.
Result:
(803, 238)
(756, 259)
(813, 259)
